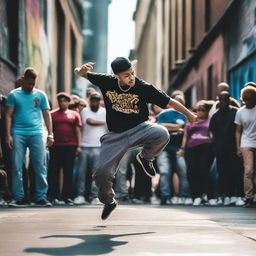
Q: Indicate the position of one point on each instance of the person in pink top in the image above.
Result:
(197, 145)
(67, 137)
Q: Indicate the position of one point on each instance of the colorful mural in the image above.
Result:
(38, 48)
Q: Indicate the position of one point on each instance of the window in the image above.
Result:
(183, 29)
(193, 24)
(207, 15)
(209, 82)
(13, 25)
(9, 30)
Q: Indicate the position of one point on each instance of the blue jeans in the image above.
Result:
(87, 162)
(36, 146)
(169, 162)
(121, 187)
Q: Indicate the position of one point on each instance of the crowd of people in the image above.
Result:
(207, 162)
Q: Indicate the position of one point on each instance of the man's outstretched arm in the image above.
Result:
(179, 107)
(84, 69)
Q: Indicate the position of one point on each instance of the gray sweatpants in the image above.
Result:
(151, 137)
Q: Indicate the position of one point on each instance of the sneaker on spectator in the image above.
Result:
(137, 201)
(240, 201)
(219, 201)
(188, 201)
(180, 201)
(18, 203)
(79, 200)
(226, 201)
(56, 201)
(197, 201)
(2, 202)
(204, 198)
(233, 200)
(123, 199)
(164, 200)
(43, 202)
(212, 202)
(146, 200)
(69, 201)
(96, 201)
(147, 166)
(174, 200)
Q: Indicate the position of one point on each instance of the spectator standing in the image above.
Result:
(246, 139)
(199, 155)
(78, 108)
(67, 134)
(82, 104)
(168, 162)
(27, 107)
(93, 128)
(222, 127)
(224, 87)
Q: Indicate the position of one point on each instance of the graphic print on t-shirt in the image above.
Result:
(125, 103)
(36, 102)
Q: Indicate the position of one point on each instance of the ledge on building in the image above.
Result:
(203, 46)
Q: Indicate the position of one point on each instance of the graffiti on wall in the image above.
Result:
(37, 43)
(248, 44)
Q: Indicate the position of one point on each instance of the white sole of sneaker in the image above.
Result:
(139, 161)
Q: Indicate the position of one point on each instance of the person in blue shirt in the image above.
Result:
(26, 108)
(168, 161)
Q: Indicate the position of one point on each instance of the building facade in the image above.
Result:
(193, 45)
(148, 41)
(44, 34)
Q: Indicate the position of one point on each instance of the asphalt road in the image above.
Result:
(137, 230)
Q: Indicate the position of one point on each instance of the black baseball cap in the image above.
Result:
(120, 64)
(95, 95)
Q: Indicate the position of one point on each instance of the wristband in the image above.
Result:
(50, 136)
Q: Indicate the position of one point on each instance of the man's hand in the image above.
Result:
(78, 151)
(83, 70)
(239, 152)
(9, 142)
(192, 118)
(50, 141)
(181, 152)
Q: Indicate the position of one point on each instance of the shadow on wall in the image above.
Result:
(91, 245)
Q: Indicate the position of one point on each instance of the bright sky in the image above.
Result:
(121, 28)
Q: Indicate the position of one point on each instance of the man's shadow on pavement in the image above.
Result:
(91, 245)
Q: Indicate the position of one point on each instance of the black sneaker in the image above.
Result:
(108, 208)
(43, 202)
(69, 201)
(147, 166)
(18, 203)
(163, 201)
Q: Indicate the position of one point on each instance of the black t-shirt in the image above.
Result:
(222, 127)
(125, 110)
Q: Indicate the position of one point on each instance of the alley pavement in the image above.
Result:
(137, 230)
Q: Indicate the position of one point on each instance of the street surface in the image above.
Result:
(137, 230)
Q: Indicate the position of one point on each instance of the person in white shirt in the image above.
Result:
(246, 139)
(93, 127)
